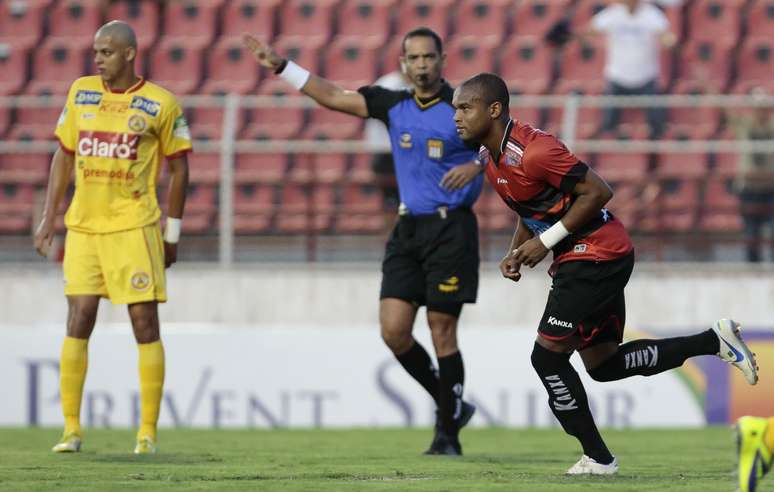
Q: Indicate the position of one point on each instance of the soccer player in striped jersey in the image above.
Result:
(561, 207)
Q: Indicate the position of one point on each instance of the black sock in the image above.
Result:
(649, 357)
(452, 380)
(568, 401)
(416, 361)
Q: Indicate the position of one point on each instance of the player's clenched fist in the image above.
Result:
(262, 52)
(509, 267)
(43, 237)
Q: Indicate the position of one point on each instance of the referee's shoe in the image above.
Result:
(446, 442)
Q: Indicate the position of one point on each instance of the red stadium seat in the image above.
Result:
(35, 123)
(351, 61)
(588, 121)
(621, 167)
(326, 124)
(360, 211)
(474, 17)
(200, 199)
(75, 19)
(14, 60)
(25, 168)
(391, 53)
(16, 205)
(230, 69)
(275, 123)
(469, 55)
(706, 62)
(193, 20)
(424, 13)
(254, 209)
(207, 122)
(21, 23)
(294, 214)
(684, 123)
(362, 170)
(582, 66)
(260, 168)
(690, 166)
(725, 165)
(307, 18)
(709, 18)
(755, 64)
(176, 65)
(301, 49)
(56, 64)
(142, 15)
(493, 214)
(535, 17)
(584, 11)
(320, 168)
(721, 207)
(525, 65)
(204, 168)
(5, 120)
(760, 18)
(257, 17)
(365, 18)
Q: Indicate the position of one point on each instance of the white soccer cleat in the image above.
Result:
(70, 443)
(733, 349)
(588, 466)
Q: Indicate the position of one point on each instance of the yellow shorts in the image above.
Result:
(127, 267)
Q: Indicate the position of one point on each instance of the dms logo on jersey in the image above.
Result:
(108, 144)
(146, 105)
(434, 149)
(88, 97)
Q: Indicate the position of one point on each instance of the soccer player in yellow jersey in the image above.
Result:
(755, 449)
(113, 132)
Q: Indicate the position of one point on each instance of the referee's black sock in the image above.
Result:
(417, 362)
(568, 401)
(452, 373)
(649, 357)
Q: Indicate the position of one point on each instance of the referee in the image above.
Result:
(431, 257)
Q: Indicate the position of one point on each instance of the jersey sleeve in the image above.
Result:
(602, 21)
(659, 21)
(66, 131)
(174, 134)
(548, 160)
(379, 101)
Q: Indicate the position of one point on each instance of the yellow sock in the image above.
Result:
(768, 438)
(72, 374)
(151, 386)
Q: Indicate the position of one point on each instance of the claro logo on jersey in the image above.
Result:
(108, 144)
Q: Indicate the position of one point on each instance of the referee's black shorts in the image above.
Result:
(587, 299)
(433, 260)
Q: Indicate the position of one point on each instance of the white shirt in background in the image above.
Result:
(633, 42)
(375, 131)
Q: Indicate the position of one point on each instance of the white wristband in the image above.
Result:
(172, 231)
(551, 236)
(295, 75)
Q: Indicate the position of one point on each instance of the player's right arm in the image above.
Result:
(322, 91)
(58, 180)
(509, 265)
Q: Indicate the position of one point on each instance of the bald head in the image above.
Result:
(119, 32)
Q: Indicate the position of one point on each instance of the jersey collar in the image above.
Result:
(133, 88)
(425, 103)
(504, 141)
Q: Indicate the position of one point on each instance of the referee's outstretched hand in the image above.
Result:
(458, 176)
(262, 52)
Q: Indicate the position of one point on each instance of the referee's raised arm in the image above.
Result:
(324, 92)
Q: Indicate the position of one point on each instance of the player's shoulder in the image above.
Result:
(87, 83)
(157, 91)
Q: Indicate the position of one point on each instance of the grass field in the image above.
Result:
(495, 459)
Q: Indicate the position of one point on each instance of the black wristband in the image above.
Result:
(281, 66)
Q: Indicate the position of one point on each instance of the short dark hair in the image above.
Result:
(423, 32)
(490, 88)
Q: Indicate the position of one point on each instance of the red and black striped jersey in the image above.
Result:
(535, 174)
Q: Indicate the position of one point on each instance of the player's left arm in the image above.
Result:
(591, 194)
(178, 184)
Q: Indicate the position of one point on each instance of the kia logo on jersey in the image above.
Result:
(108, 144)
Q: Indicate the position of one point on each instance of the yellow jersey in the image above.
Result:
(117, 140)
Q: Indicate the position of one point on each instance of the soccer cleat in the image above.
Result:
(588, 466)
(145, 445)
(754, 458)
(733, 349)
(70, 443)
(447, 443)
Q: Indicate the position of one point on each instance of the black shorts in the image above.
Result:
(431, 260)
(587, 299)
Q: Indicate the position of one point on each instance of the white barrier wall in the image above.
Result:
(659, 297)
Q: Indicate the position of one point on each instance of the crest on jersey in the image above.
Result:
(434, 149)
(513, 154)
(405, 141)
(140, 281)
(137, 123)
